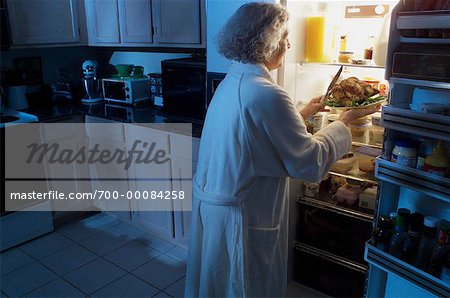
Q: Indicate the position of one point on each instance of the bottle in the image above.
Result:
(437, 162)
(315, 39)
(425, 149)
(412, 239)
(404, 153)
(368, 51)
(382, 234)
(445, 272)
(441, 249)
(343, 43)
(400, 229)
(427, 242)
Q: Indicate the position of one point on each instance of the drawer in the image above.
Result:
(328, 273)
(332, 232)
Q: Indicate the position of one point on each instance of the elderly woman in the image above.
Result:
(253, 139)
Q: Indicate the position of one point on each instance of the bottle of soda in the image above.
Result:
(383, 233)
(441, 249)
(427, 241)
(413, 236)
(400, 232)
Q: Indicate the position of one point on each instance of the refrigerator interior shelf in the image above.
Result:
(357, 175)
(302, 63)
(439, 19)
(422, 83)
(432, 185)
(331, 257)
(423, 124)
(388, 263)
(359, 144)
(331, 204)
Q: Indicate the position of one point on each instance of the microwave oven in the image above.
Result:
(126, 90)
(184, 87)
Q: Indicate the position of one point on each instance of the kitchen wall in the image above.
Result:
(150, 61)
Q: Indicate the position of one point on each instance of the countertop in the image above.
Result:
(140, 113)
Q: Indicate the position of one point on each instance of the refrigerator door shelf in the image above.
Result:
(424, 182)
(418, 123)
(421, 279)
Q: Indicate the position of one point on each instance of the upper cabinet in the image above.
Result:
(41, 22)
(119, 22)
(152, 23)
(177, 22)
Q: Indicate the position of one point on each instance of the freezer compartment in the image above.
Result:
(333, 229)
(388, 263)
(328, 273)
(424, 182)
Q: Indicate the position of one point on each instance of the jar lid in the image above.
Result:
(430, 221)
(405, 143)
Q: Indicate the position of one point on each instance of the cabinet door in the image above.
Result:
(177, 21)
(183, 167)
(135, 19)
(145, 178)
(102, 18)
(43, 21)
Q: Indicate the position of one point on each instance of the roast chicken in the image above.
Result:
(352, 89)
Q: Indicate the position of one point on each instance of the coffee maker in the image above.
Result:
(92, 86)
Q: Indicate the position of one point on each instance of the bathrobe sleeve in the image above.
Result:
(278, 140)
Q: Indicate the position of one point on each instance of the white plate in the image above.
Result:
(361, 107)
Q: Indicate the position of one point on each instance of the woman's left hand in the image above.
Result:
(314, 106)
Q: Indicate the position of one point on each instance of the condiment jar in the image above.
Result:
(404, 153)
(437, 162)
(345, 57)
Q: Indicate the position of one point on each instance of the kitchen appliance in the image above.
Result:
(91, 84)
(184, 87)
(156, 88)
(126, 90)
(4, 27)
(61, 92)
(17, 98)
(418, 70)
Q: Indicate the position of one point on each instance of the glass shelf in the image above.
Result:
(359, 144)
(341, 64)
(328, 201)
(356, 174)
(421, 279)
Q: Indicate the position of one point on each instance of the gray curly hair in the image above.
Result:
(254, 34)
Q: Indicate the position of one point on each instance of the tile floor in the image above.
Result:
(99, 256)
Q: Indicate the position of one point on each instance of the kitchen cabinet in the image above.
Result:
(111, 177)
(119, 22)
(183, 168)
(58, 134)
(147, 178)
(177, 22)
(145, 23)
(46, 22)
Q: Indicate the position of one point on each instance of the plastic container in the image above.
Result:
(434, 108)
(437, 162)
(376, 118)
(376, 134)
(405, 153)
(358, 131)
(366, 158)
(367, 198)
(344, 164)
(361, 121)
(348, 193)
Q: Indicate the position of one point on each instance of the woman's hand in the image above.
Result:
(312, 107)
(351, 115)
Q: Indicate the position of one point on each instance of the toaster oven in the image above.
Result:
(126, 90)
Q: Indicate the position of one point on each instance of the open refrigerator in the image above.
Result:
(336, 260)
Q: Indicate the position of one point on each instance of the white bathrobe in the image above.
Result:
(253, 139)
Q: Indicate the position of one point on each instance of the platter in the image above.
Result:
(370, 105)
